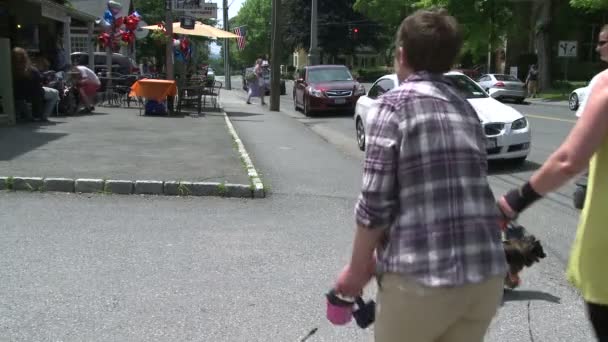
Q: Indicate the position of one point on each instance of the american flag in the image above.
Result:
(241, 32)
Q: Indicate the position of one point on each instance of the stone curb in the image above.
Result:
(3, 184)
(257, 187)
(126, 187)
(59, 184)
(86, 185)
(148, 187)
(28, 183)
(121, 187)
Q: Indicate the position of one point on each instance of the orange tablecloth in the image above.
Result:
(154, 89)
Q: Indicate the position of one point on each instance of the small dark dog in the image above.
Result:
(522, 250)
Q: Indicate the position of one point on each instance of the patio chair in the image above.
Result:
(213, 92)
(190, 94)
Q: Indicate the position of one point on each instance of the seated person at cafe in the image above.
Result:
(27, 88)
(87, 83)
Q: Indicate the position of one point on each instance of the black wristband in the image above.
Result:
(520, 199)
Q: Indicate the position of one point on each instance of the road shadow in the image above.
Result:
(501, 167)
(330, 115)
(529, 295)
(25, 137)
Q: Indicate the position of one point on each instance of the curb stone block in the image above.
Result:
(59, 184)
(206, 189)
(258, 190)
(238, 190)
(171, 188)
(86, 185)
(184, 189)
(27, 183)
(175, 188)
(122, 187)
(3, 183)
(148, 187)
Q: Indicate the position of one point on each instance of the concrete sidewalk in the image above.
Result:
(119, 144)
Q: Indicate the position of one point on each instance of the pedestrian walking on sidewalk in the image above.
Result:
(255, 82)
(532, 81)
(587, 142)
(426, 209)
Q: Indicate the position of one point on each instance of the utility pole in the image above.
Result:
(313, 52)
(227, 77)
(275, 61)
(169, 47)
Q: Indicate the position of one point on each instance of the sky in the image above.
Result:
(233, 10)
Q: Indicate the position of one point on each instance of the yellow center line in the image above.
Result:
(549, 118)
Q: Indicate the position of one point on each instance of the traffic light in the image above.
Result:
(355, 33)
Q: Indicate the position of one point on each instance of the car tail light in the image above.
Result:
(499, 84)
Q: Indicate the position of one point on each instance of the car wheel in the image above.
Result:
(578, 197)
(360, 134)
(573, 101)
(306, 109)
(520, 100)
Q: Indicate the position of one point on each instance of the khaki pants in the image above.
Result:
(532, 88)
(410, 312)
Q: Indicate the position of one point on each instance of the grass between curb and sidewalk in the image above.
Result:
(255, 188)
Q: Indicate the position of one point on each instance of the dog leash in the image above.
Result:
(310, 333)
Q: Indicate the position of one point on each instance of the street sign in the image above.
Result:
(567, 48)
(196, 8)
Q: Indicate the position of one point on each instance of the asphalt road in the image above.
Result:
(140, 268)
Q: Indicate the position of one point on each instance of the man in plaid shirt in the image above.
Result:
(426, 207)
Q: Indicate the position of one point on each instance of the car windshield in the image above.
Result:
(508, 78)
(467, 88)
(329, 75)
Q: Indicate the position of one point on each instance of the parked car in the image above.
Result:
(577, 96)
(324, 88)
(507, 131)
(120, 63)
(501, 86)
(266, 74)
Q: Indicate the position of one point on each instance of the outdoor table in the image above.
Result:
(153, 89)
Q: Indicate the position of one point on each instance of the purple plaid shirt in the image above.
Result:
(425, 182)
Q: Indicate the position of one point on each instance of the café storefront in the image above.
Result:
(43, 28)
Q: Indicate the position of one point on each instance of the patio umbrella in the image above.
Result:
(200, 29)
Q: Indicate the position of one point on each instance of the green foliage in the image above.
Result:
(371, 74)
(334, 20)
(256, 16)
(482, 21)
(590, 4)
(152, 12)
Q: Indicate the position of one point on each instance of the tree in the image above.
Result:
(254, 15)
(336, 24)
(153, 12)
(483, 22)
(590, 4)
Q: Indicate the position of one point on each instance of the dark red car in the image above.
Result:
(325, 88)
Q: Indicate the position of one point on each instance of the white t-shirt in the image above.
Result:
(581, 106)
(88, 74)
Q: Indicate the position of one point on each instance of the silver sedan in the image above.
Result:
(501, 86)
